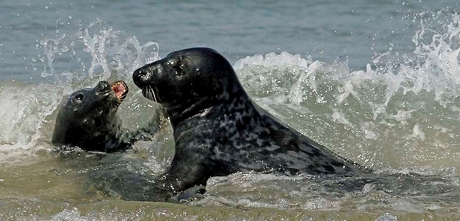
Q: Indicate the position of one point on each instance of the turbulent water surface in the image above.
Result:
(376, 82)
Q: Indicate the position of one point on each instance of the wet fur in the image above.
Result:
(217, 128)
(88, 119)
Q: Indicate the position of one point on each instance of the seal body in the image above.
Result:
(88, 118)
(217, 128)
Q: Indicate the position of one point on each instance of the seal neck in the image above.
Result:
(238, 109)
(181, 112)
(115, 143)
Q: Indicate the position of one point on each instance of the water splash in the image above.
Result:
(97, 52)
(401, 111)
(94, 53)
(434, 66)
(387, 217)
(25, 113)
(397, 114)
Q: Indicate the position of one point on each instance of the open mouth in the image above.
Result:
(121, 89)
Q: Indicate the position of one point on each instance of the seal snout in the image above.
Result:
(141, 77)
(117, 89)
(102, 88)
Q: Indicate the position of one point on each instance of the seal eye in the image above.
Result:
(178, 70)
(78, 98)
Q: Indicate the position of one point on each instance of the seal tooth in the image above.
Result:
(121, 90)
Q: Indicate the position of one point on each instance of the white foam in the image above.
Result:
(71, 62)
(24, 109)
(407, 97)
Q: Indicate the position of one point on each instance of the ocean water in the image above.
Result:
(378, 82)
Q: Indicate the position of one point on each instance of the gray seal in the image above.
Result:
(218, 130)
(88, 118)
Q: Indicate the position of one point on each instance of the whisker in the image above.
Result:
(113, 77)
(149, 93)
(154, 96)
(123, 96)
(139, 91)
(116, 104)
(156, 89)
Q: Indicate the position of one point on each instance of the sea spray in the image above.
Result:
(400, 112)
(72, 62)
(97, 52)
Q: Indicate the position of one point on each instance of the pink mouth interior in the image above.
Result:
(120, 89)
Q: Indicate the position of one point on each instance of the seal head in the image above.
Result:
(188, 81)
(88, 118)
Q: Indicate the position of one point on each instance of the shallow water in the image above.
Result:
(377, 83)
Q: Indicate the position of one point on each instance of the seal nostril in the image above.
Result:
(97, 122)
(102, 86)
(138, 76)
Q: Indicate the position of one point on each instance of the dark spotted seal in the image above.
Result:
(88, 119)
(217, 128)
